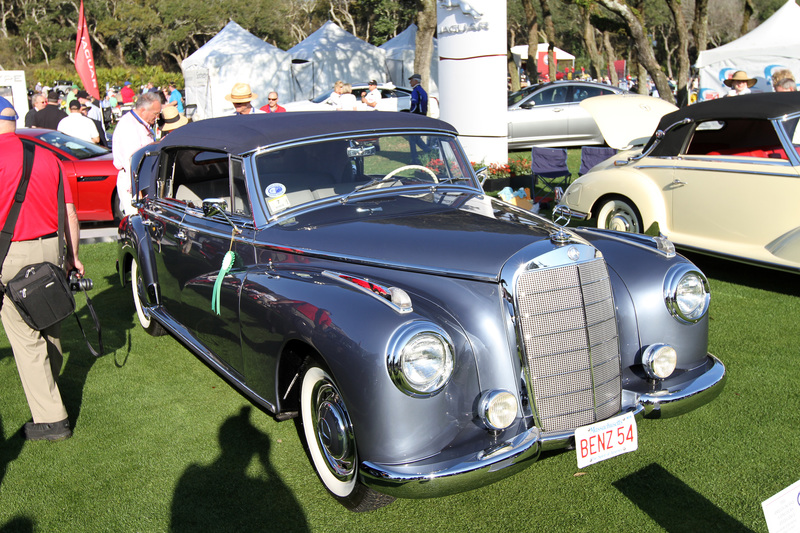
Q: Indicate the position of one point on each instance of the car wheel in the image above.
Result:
(140, 302)
(331, 443)
(619, 214)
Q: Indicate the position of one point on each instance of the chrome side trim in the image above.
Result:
(432, 480)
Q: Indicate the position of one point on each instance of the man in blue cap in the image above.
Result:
(419, 98)
(35, 239)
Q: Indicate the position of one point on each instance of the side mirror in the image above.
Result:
(214, 206)
(483, 174)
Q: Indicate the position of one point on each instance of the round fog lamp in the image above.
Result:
(498, 409)
(659, 361)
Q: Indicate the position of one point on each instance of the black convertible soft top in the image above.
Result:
(243, 133)
(750, 106)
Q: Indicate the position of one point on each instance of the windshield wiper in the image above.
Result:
(370, 183)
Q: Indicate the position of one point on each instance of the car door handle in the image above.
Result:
(181, 235)
(676, 181)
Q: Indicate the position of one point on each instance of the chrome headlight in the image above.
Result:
(420, 358)
(659, 361)
(686, 293)
(498, 409)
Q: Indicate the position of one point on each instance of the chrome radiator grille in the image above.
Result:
(571, 344)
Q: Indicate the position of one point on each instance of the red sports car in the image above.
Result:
(88, 168)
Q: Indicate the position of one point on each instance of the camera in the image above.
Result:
(76, 284)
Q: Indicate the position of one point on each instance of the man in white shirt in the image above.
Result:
(134, 131)
(372, 97)
(94, 111)
(77, 125)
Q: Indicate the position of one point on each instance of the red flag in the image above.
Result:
(84, 59)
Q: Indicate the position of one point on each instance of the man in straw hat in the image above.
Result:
(172, 119)
(739, 83)
(240, 97)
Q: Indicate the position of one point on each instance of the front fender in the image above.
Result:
(136, 244)
(351, 329)
(584, 194)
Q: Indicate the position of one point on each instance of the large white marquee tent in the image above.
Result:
(234, 55)
(400, 54)
(331, 54)
(773, 45)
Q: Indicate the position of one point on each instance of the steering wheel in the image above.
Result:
(409, 167)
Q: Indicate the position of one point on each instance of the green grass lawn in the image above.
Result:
(162, 444)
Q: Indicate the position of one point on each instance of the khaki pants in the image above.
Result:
(37, 353)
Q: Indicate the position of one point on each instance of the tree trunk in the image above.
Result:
(749, 9)
(513, 72)
(683, 52)
(550, 31)
(700, 27)
(426, 27)
(611, 59)
(644, 51)
(532, 25)
(595, 56)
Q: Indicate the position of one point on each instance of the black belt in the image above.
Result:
(48, 236)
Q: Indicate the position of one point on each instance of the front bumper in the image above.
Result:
(429, 478)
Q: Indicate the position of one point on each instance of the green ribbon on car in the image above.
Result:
(227, 264)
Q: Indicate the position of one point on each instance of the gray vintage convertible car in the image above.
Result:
(346, 269)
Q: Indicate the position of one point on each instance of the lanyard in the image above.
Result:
(151, 133)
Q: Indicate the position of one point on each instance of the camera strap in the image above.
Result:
(96, 321)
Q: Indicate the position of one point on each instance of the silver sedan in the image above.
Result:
(550, 115)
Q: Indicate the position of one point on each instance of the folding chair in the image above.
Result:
(549, 167)
(592, 155)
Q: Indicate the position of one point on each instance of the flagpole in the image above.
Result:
(84, 59)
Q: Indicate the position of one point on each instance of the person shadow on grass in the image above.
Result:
(223, 497)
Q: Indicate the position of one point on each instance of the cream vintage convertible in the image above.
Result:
(719, 177)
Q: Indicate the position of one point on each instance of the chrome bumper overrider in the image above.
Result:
(414, 480)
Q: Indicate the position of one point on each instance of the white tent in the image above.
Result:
(774, 44)
(234, 55)
(400, 54)
(331, 54)
(520, 54)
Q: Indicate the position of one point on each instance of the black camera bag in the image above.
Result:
(42, 295)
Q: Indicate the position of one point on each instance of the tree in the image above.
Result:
(426, 27)
(683, 52)
(643, 48)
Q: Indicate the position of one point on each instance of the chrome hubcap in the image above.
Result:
(334, 432)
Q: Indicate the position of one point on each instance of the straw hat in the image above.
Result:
(241, 94)
(172, 119)
(740, 75)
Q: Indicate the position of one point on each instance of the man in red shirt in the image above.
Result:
(272, 104)
(127, 94)
(35, 239)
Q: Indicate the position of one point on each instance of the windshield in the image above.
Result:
(517, 96)
(77, 148)
(301, 174)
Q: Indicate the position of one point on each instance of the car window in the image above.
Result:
(736, 137)
(310, 172)
(77, 148)
(582, 93)
(551, 95)
(193, 175)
